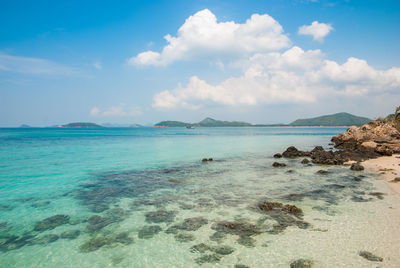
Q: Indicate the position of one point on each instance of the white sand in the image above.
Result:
(388, 167)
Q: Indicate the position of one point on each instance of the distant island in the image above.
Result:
(120, 125)
(24, 126)
(81, 125)
(338, 119)
(208, 122)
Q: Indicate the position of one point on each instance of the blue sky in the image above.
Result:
(103, 61)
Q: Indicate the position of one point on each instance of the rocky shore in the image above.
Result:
(370, 141)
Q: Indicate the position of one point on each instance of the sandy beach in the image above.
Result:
(388, 167)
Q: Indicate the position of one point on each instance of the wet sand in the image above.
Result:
(388, 167)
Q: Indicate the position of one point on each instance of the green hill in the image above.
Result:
(209, 122)
(81, 125)
(339, 119)
(172, 124)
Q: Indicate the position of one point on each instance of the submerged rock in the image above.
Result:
(96, 243)
(247, 241)
(241, 266)
(201, 248)
(275, 206)
(284, 214)
(360, 199)
(378, 195)
(12, 242)
(71, 234)
(40, 204)
(122, 238)
(322, 172)
(277, 155)
(208, 258)
(294, 197)
(96, 223)
(149, 231)
(236, 228)
(160, 216)
(189, 224)
(51, 222)
(3, 225)
(356, 167)
(302, 263)
(45, 239)
(184, 237)
(370, 256)
(218, 236)
(223, 250)
(276, 164)
(117, 214)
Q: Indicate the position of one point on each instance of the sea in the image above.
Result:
(143, 197)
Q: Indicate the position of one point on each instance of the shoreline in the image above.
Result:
(387, 167)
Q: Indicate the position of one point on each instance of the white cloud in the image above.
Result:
(203, 37)
(98, 65)
(294, 76)
(33, 66)
(121, 110)
(317, 30)
(95, 111)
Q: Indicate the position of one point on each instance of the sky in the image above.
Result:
(143, 62)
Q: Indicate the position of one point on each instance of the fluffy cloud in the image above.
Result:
(120, 110)
(317, 30)
(202, 36)
(294, 76)
(33, 66)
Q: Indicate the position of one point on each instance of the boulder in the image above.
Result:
(292, 152)
(380, 136)
(305, 161)
(276, 164)
(357, 167)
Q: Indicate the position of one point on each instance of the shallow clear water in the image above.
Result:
(156, 202)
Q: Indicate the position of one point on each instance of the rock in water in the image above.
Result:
(278, 155)
(292, 152)
(305, 161)
(149, 231)
(302, 263)
(356, 167)
(72, 234)
(276, 164)
(369, 256)
(51, 222)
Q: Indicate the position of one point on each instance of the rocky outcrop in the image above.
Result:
(379, 137)
(292, 152)
(338, 157)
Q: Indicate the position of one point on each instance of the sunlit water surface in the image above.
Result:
(142, 197)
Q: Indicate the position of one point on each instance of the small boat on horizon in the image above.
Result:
(190, 127)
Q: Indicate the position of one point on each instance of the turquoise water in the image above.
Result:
(142, 197)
